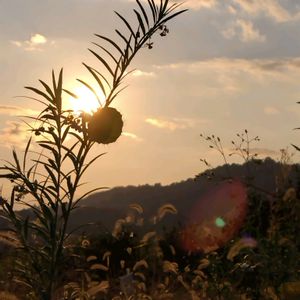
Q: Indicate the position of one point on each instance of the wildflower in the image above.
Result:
(105, 125)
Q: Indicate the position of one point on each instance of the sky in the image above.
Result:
(225, 66)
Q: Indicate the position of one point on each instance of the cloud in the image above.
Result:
(15, 110)
(139, 73)
(270, 110)
(37, 39)
(270, 8)
(14, 134)
(245, 31)
(199, 4)
(35, 43)
(192, 4)
(132, 136)
(279, 65)
(17, 43)
(216, 75)
(228, 69)
(173, 123)
(232, 10)
(231, 79)
(248, 32)
(164, 124)
(229, 33)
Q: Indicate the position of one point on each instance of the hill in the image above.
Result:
(107, 206)
(104, 208)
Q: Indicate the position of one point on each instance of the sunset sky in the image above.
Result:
(225, 66)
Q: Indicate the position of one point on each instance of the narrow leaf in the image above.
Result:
(296, 147)
(143, 12)
(91, 162)
(88, 193)
(70, 93)
(37, 91)
(153, 10)
(65, 133)
(172, 16)
(97, 78)
(103, 61)
(173, 7)
(104, 49)
(25, 153)
(53, 81)
(47, 88)
(111, 42)
(126, 23)
(140, 21)
(58, 90)
(164, 6)
(16, 160)
(114, 96)
(106, 81)
(127, 42)
(90, 88)
(54, 180)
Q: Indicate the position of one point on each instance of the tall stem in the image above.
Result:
(54, 263)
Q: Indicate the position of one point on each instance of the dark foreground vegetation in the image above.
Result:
(234, 238)
(143, 254)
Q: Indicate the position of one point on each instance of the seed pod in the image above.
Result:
(105, 125)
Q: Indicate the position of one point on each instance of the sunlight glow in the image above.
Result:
(86, 101)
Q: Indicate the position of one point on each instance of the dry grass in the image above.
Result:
(7, 296)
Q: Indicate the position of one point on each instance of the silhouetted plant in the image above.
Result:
(240, 147)
(48, 186)
(261, 268)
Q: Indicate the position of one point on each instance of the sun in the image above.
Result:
(86, 100)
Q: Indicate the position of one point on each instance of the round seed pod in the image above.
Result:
(105, 125)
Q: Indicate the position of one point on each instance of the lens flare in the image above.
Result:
(216, 217)
(220, 222)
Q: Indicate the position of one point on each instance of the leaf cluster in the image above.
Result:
(150, 18)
